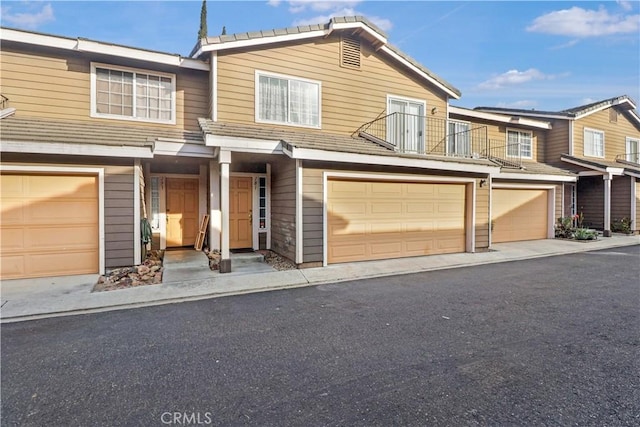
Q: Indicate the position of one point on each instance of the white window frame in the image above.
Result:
(259, 73)
(520, 131)
(422, 145)
(632, 156)
(455, 137)
(94, 107)
(584, 142)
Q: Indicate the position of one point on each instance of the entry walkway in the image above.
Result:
(33, 299)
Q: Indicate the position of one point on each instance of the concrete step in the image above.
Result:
(241, 259)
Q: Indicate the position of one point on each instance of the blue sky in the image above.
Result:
(543, 55)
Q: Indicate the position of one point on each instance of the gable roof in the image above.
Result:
(624, 102)
(80, 44)
(360, 25)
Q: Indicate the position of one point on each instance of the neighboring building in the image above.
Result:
(323, 143)
(599, 142)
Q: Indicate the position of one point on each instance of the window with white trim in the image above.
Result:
(262, 202)
(593, 143)
(633, 150)
(155, 203)
(287, 100)
(131, 94)
(459, 138)
(519, 143)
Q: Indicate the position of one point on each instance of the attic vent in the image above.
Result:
(350, 52)
(613, 115)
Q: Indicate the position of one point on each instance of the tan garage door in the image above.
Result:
(379, 220)
(519, 214)
(49, 225)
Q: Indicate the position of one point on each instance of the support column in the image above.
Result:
(607, 205)
(215, 226)
(225, 259)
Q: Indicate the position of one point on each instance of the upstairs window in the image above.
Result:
(593, 143)
(633, 150)
(459, 139)
(519, 143)
(287, 100)
(132, 94)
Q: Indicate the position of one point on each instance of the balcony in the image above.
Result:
(428, 136)
(632, 159)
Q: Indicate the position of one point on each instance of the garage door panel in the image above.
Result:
(49, 225)
(348, 208)
(519, 214)
(406, 223)
(44, 264)
(63, 211)
(385, 208)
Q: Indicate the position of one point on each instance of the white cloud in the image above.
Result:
(515, 77)
(570, 43)
(296, 6)
(521, 105)
(29, 20)
(578, 22)
(383, 23)
(274, 3)
(626, 5)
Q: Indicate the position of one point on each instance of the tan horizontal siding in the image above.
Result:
(615, 134)
(498, 132)
(51, 85)
(349, 98)
(557, 142)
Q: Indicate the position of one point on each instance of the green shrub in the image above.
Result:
(621, 225)
(564, 227)
(585, 234)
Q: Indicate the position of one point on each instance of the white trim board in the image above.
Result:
(78, 170)
(72, 149)
(535, 177)
(500, 118)
(91, 46)
(371, 159)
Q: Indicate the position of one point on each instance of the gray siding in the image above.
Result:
(591, 201)
(620, 197)
(118, 216)
(312, 215)
(283, 207)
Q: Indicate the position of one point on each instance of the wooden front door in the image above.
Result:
(240, 212)
(182, 211)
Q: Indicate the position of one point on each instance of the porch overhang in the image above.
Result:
(601, 168)
(243, 144)
(372, 159)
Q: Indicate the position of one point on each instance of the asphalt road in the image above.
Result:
(551, 341)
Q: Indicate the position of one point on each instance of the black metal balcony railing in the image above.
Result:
(414, 134)
(629, 158)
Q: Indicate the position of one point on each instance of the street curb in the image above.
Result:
(307, 283)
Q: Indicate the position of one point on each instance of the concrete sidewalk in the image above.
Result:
(34, 299)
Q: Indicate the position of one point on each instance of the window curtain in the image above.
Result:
(273, 99)
(459, 141)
